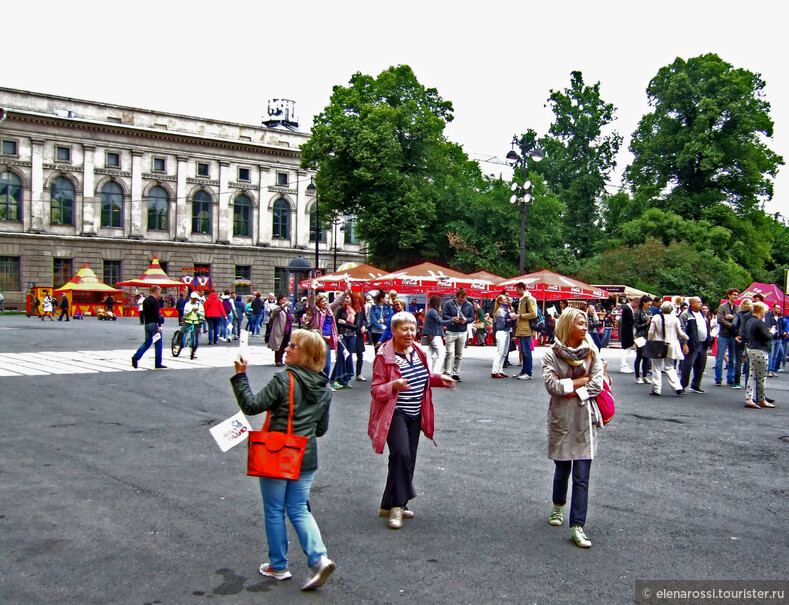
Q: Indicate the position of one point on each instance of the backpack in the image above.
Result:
(605, 400)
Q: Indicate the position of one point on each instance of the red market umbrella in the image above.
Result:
(547, 285)
(357, 276)
(431, 278)
(496, 279)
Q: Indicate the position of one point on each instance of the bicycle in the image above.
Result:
(189, 339)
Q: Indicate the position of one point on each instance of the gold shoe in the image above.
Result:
(396, 517)
(407, 514)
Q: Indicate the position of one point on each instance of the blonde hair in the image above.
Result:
(321, 297)
(564, 328)
(500, 299)
(312, 348)
(760, 308)
(402, 317)
(746, 305)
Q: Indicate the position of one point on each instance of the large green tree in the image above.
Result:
(580, 158)
(381, 154)
(704, 142)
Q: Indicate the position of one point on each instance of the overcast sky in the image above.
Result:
(495, 61)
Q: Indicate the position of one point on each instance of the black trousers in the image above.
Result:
(403, 440)
(359, 353)
(695, 360)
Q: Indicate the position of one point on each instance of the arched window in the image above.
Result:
(201, 212)
(61, 195)
(242, 216)
(158, 204)
(111, 205)
(10, 196)
(321, 227)
(281, 226)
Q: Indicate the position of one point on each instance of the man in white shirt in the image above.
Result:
(697, 327)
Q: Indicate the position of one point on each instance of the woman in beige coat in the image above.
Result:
(666, 327)
(573, 375)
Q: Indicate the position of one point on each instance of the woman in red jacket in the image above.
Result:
(402, 405)
(214, 310)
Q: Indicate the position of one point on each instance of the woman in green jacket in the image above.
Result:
(305, 357)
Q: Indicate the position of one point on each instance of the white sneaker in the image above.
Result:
(277, 574)
(320, 573)
(625, 370)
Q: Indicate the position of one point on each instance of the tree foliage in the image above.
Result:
(580, 158)
(382, 155)
(703, 143)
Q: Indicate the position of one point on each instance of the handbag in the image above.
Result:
(605, 401)
(274, 454)
(656, 349)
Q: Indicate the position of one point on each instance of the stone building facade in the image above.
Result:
(113, 186)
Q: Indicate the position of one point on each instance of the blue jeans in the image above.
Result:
(776, 353)
(282, 496)
(524, 342)
(213, 329)
(253, 325)
(343, 367)
(150, 330)
(725, 343)
(606, 337)
(580, 470)
(327, 367)
(595, 338)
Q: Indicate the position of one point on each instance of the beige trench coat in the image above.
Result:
(572, 434)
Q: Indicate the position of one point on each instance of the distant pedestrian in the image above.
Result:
(527, 312)
(697, 328)
(433, 334)
(109, 303)
(63, 308)
(666, 327)
(461, 312)
(573, 373)
(48, 307)
(152, 320)
(626, 334)
(760, 339)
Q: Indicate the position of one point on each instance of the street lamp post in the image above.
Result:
(335, 224)
(523, 191)
(312, 191)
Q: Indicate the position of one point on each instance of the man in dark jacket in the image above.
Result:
(179, 306)
(152, 320)
(726, 313)
(697, 327)
(64, 308)
(774, 321)
(626, 334)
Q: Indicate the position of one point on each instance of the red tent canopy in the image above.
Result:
(547, 285)
(154, 276)
(358, 276)
(772, 293)
(433, 279)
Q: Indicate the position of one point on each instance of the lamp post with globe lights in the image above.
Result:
(522, 190)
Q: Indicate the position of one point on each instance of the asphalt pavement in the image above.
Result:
(113, 490)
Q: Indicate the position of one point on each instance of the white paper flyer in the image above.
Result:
(231, 432)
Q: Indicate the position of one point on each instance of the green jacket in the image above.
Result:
(311, 400)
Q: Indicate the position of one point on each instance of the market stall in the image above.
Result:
(428, 279)
(549, 286)
(87, 294)
(357, 276)
(154, 276)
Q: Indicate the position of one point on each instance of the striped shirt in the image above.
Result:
(412, 369)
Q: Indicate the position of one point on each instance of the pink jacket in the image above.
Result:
(385, 371)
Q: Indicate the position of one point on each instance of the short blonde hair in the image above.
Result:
(760, 308)
(564, 327)
(312, 348)
(746, 305)
(321, 297)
